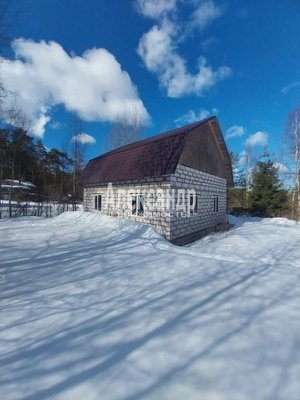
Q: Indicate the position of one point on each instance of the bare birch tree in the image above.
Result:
(3, 94)
(248, 158)
(76, 156)
(126, 129)
(292, 136)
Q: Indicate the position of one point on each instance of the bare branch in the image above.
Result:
(292, 140)
(14, 117)
(126, 129)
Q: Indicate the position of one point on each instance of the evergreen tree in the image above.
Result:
(267, 198)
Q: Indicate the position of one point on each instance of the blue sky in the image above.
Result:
(172, 61)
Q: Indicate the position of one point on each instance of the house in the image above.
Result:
(176, 181)
(17, 190)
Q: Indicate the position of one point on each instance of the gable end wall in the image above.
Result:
(206, 186)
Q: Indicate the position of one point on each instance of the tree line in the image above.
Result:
(25, 159)
(262, 193)
(267, 188)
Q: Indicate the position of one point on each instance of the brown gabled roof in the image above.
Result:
(152, 157)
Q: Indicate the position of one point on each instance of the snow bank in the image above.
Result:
(95, 307)
(108, 224)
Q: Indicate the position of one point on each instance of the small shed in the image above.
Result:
(176, 181)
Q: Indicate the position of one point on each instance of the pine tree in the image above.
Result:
(268, 198)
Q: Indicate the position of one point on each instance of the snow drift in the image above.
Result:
(99, 308)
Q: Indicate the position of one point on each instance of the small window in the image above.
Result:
(98, 202)
(137, 205)
(216, 204)
(194, 200)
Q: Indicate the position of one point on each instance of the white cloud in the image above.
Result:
(289, 87)
(203, 15)
(55, 125)
(209, 43)
(243, 157)
(191, 116)
(257, 139)
(84, 138)
(38, 124)
(235, 131)
(281, 167)
(155, 8)
(93, 85)
(157, 48)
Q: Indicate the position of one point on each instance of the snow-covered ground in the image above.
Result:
(98, 308)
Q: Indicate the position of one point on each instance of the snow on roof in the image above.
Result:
(16, 184)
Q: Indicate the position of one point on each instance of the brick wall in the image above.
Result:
(117, 198)
(163, 199)
(207, 188)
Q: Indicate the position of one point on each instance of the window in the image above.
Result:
(216, 204)
(98, 202)
(137, 204)
(194, 201)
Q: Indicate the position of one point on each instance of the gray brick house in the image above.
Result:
(176, 181)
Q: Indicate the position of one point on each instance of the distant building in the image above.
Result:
(16, 190)
(176, 181)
